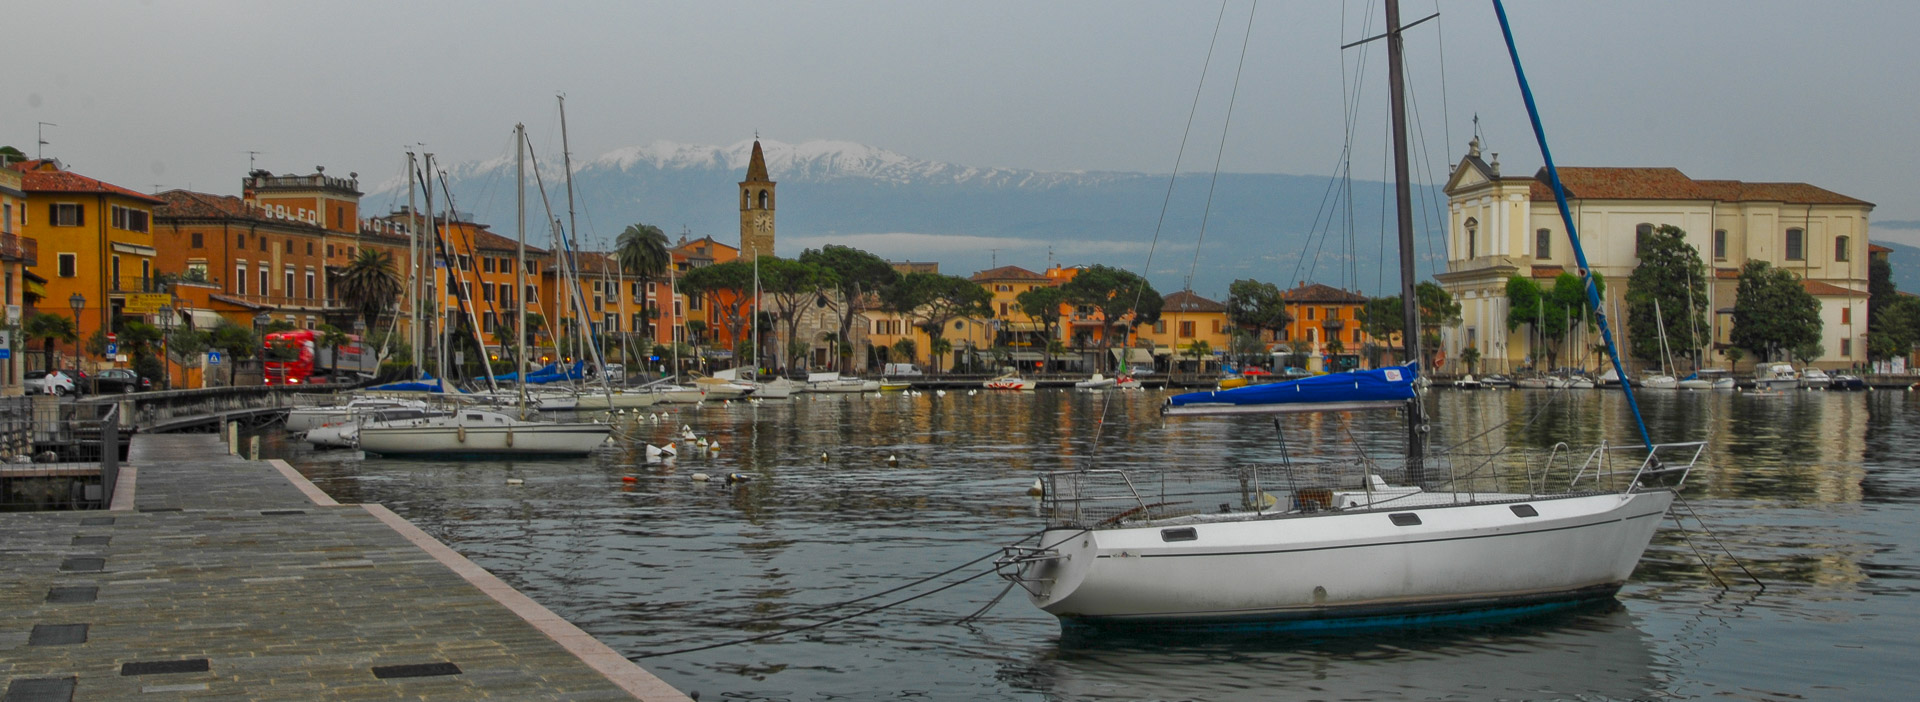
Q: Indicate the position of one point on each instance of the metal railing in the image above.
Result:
(53, 460)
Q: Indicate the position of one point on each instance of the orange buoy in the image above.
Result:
(629, 479)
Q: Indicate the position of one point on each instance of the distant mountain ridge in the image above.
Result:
(1272, 227)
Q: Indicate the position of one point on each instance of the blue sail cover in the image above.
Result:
(428, 383)
(1392, 384)
(554, 372)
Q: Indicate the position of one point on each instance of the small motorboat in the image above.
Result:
(1467, 382)
(1496, 381)
(887, 385)
(1009, 382)
(1815, 379)
(1097, 382)
(1843, 381)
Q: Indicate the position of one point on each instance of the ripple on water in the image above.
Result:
(1814, 492)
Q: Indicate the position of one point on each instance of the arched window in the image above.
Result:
(1840, 252)
(1543, 244)
(1473, 233)
(763, 199)
(746, 200)
(1796, 244)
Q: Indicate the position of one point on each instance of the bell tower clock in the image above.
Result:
(756, 208)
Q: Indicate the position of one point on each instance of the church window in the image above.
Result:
(1543, 244)
(746, 200)
(1719, 244)
(763, 199)
(1473, 233)
(1840, 247)
(1796, 244)
(1641, 234)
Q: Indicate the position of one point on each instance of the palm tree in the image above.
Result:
(642, 251)
(51, 328)
(369, 284)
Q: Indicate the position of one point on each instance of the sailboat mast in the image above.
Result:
(756, 313)
(586, 323)
(1403, 202)
(413, 264)
(520, 261)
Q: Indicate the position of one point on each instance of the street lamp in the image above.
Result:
(79, 303)
(167, 322)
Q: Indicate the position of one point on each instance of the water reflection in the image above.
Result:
(1815, 492)
(1593, 653)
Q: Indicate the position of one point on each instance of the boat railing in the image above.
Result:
(1604, 471)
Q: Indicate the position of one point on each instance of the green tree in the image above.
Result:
(1733, 354)
(1523, 303)
(1199, 351)
(331, 339)
(1470, 357)
(1258, 306)
(1383, 317)
(51, 328)
(858, 277)
(728, 290)
(369, 285)
(1042, 305)
(1123, 299)
(9, 154)
(1669, 273)
(1894, 329)
(937, 350)
(1246, 347)
(1772, 313)
(791, 287)
(932, 300)
(238, 341)
(906, 351)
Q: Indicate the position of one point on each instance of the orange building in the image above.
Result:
(99, 238)
(1185, 320)
(237, 261)
(1323, 314)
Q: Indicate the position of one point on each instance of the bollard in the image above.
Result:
(253, 449)
(233, 438)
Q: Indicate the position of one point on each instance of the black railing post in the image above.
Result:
(109, 455)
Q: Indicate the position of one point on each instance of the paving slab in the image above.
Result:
(235, 579)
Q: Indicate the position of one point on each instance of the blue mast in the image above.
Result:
(1560, 197)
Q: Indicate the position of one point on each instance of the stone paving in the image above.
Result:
(233, 579)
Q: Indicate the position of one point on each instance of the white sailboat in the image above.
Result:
(1330, 548)
(477, 432)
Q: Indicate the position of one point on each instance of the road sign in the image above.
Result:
(112, 337)
(113, 349)
(213, 357)
(146, 303)
(122, 358)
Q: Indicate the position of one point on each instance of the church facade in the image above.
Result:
(1499, 227)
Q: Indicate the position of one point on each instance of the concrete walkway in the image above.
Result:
(228, 579)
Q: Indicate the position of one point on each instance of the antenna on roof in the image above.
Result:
(39, 136)
(996, 257)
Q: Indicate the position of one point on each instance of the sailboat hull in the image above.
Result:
(1324, 569)
(440, 440)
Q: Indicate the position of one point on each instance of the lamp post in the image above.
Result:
(167, 321)
(260, 322)
(79, 304)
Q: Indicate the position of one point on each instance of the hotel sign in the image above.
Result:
(146, 303)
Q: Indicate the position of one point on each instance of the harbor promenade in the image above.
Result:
(214, 577)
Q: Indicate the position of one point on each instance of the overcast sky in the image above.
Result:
(173, 94)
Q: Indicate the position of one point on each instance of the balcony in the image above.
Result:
(15, 248)
(133, 284)
(284, 302)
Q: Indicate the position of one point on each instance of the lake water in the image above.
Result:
(1817, 493)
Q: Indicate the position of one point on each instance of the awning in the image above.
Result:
(1025, 327)
(204, 319)
(36, 290)
(134, 249)
(1025, 356)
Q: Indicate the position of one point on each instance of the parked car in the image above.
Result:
(120, 380)
(48, 383)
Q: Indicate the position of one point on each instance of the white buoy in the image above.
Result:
(713, 447)
(1037, 489)
(893, 460)
(971, 392)
(699, 477)
(514, 481)
(702, 443)
(939, 393)
(823, 456)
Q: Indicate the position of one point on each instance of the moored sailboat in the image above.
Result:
(1335, 544)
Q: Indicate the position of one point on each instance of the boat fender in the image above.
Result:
(509, 437)
(462, 434)
(515, 481)
(699, 477)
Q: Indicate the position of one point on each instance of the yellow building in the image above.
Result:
(1015, 327)
(17, 253)
(1328, 320)
(1500, 226)
(100, 244)
(1186, 320)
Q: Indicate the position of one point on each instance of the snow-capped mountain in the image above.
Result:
(1275, 228)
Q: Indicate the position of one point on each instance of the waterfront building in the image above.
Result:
(1499, 227)
(1022, 331)
(235, 260)
(1186, 321)
(100, 241)
(17, 254)
(1327, 320)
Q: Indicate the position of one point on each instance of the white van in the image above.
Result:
(901, 369)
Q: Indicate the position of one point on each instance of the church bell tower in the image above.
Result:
(756, 208)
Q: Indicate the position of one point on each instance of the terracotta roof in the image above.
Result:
(1819, 289)
(1186, 301)
(1008, 273)
(45, 177)
(1548, 271)
(1319, 292)
(485, 240)
(688, 248)
(757, 165)
(592, 262)
(1670, 184)
(187, 204)
(1873, 248)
